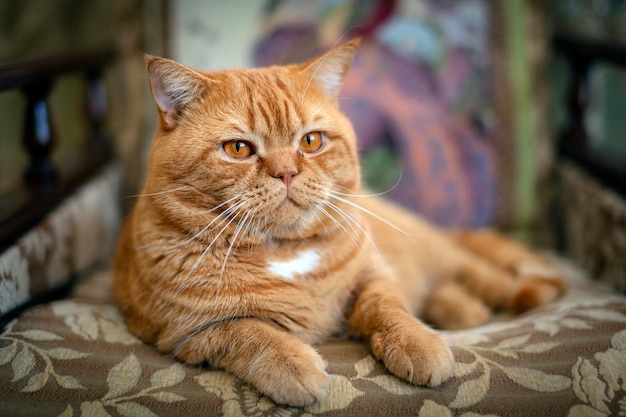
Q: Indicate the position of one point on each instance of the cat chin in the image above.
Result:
(291, 221)
(288, 214)
(290, 208)
(291, 205)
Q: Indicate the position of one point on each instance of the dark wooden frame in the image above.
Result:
(573, 141)
(44, 186)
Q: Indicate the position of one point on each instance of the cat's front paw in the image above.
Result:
(414, 353)
(293, 378)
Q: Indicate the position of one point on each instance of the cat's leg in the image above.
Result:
(536, 283)
(426, 257)
(451, 306)
(493, 285)
(278, 364)
(407, 347)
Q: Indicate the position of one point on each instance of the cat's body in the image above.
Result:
(252, 240)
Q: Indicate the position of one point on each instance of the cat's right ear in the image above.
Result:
(328, 71)
(173, 86)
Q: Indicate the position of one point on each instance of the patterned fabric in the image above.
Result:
(75, 357)
(594, 225)
(418, 92)
(78, 234)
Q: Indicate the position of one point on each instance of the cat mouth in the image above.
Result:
(289, 207)
(291, 199)
(288, 202)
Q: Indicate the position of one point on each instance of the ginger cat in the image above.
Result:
(252, 241)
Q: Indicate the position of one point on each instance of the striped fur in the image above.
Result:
(245, 263)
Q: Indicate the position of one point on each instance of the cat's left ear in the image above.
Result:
(328, 71)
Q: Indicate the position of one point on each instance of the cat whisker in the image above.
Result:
(241, 225)
(206, 250)
(353, 222)
(333, 195)
(337, 222)
(330, 193)
(226, 202)
(253, 230)
(157, 193)
(225, 218)
(314, 214)
(352, 98)
(324, 202)
(349, 220)
(225, 214)
(381, 193)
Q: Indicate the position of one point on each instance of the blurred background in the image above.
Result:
(463, 108)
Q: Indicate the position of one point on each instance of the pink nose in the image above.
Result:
(286, 175)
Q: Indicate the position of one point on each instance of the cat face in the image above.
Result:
(268, 146)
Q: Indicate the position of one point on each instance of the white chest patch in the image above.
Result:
(307, 261)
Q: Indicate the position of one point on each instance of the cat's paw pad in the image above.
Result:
(417, 355)
(532, 291)
(295, 380)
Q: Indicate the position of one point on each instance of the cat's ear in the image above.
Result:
(328, 71)
(173, 86)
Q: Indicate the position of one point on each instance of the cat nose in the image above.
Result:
(286, 175)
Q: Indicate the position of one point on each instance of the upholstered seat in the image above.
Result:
(64, 346)
(75, 357)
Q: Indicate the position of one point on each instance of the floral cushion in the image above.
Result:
(78, 234)
(75, 357)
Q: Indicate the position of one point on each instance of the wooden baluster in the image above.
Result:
(39, 136)
(577, 102)
(98, 141)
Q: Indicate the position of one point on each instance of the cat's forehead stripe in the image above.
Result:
(272, 102)
(251, 117)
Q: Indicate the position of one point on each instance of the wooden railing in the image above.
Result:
(45, 185)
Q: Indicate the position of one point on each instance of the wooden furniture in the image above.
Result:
(573, 141)
(589, 208)
(47, 183)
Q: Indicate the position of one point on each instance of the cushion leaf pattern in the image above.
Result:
(75, 357)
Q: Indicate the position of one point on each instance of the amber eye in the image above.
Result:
(238, 149)
(312, 142)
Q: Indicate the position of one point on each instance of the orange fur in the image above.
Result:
(245, 263)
